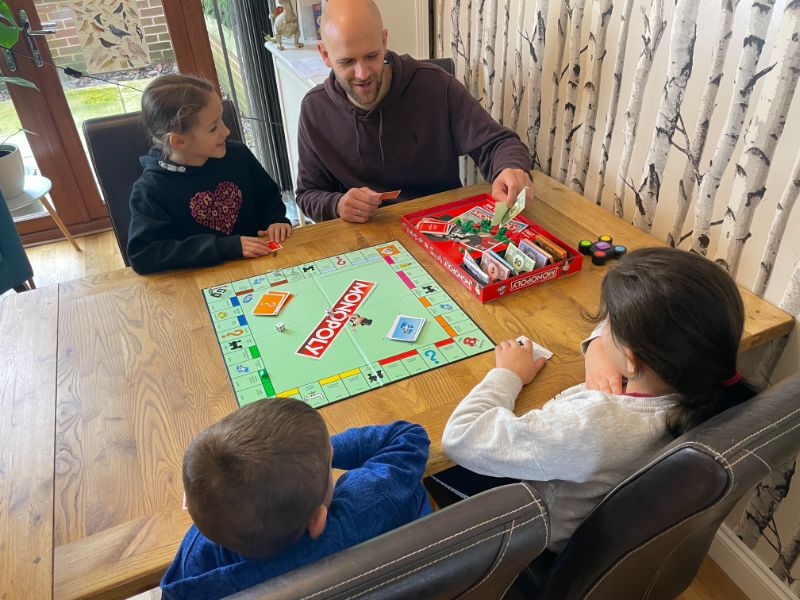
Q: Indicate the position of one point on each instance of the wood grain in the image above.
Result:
(140, 373)
(28, 324)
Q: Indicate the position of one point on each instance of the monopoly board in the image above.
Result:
(329, 341)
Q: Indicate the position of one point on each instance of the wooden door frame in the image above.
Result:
(60, 155)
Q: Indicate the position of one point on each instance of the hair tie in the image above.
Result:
(733, 380)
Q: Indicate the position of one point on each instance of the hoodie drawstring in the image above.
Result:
(380, 133)
(358, 146)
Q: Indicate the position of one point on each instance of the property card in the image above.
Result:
(271, 303)
(274, 246)
(389, 195)
(538, 351)
(406, 329)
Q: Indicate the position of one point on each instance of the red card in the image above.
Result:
(390, 195)
(430, 226)
(274, 246)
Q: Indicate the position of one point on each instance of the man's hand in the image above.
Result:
(519, 359)
(358, 205)
(277, 232)
(600, 373)
(509, 183)
(253, 247)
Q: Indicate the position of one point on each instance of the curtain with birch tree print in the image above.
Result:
(693, 99)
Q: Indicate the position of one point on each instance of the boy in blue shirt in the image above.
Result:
(259, 488)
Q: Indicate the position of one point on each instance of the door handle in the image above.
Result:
(29, 33)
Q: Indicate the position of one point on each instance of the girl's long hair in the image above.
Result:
(682, 315)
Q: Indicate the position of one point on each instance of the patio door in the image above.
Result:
(156, 38)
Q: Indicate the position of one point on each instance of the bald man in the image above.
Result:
(383, 122)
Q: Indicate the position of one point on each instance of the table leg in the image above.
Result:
(59, 223)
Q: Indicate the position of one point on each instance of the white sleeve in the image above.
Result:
(484, 435)
(596, 333)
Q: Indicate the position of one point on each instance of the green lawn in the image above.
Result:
(85, 103)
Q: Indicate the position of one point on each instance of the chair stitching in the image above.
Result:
(661, 456)
(754, 455)
(783, 418)
(542, 510)
(441, 558)
(449, 487)
(499, 560)
(728, 466)
(379, 567)
(656, 575)
(732, 475)
(769, 441)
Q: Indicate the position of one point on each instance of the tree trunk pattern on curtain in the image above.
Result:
(596, 53)
(762, 136)
(654, 27)
(746, 78)
(611, 116)
(681, 61)
(695, 150)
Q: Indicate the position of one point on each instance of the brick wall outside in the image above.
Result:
(65, 43)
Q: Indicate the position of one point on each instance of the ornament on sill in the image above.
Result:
(284, 24)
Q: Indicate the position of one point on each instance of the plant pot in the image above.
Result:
(12, 172)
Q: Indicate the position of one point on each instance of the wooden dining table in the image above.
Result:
(105, 380)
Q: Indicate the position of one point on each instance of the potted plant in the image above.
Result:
(12, 171)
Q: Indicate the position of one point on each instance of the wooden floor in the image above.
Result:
(59, 261)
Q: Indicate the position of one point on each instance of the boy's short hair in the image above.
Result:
(254, 479)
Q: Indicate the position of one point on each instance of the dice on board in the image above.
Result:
(280, 327)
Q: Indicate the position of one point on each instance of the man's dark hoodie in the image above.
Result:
(184, 216)
(410, 141)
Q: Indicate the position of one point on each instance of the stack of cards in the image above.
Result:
(272, 303)
(434, 227)
(406, 329)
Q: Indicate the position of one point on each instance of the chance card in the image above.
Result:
(406, 329)
(271, 303)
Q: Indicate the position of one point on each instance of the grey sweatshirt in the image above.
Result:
(410, 141)
(574, 445)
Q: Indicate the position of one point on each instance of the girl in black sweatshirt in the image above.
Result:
(200, 200)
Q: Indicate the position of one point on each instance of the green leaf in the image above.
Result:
(18, 81)
(9, 32)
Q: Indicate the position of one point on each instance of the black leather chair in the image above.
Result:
(648, 538)
(115, 144)
(15, 268)
(471, 550)
(445, 63)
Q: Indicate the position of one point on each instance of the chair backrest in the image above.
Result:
(115, 144)
(15, 268)
(445, 63)
(471, 550)
(648, 537)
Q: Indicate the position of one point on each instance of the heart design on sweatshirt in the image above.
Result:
(218, 209)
